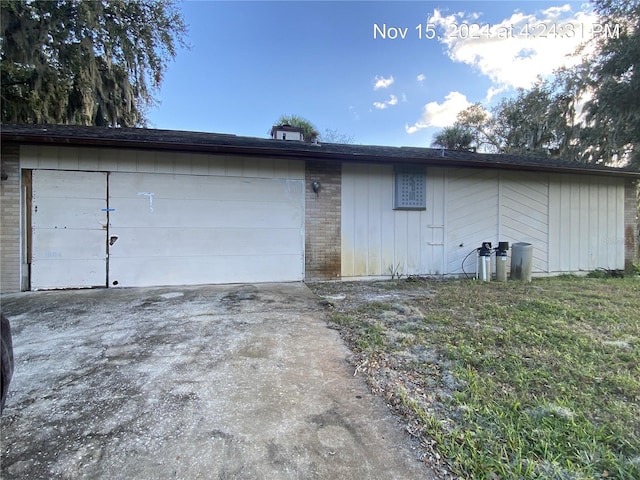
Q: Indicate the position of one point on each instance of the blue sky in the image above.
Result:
(251, 62)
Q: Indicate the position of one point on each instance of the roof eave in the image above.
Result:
(315, 152)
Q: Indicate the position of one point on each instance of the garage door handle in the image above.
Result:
(113, 239)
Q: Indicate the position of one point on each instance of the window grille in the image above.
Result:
(410, 188)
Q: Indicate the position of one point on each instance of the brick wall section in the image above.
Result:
(322, 220)
(10, 220)
(631, 234)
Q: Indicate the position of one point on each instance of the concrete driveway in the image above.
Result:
(211, 382)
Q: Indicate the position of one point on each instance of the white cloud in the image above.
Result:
(420, 78)
(515, 51)
(492, 92)
(381, 82)
(393, 100)
(442, 114)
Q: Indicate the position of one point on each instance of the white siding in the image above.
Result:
(586, 223)
(574, 222)
(376, 239)
(524, 213)
(471, 215)
(115, 160)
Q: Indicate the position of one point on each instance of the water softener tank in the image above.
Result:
(484, 262)
(501, 261)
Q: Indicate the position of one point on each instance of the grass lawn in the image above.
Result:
(535, 380)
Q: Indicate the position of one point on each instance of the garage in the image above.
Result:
(124, 229)
(120, 207)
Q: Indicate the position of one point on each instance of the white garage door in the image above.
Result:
(169, 229)
(69, 229)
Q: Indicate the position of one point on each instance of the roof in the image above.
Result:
(216, 143)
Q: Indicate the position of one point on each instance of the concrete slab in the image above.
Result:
(236, 381)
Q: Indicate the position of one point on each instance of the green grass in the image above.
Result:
(512, 380)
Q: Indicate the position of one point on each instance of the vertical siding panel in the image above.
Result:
(574, 235)
(387, 216)
(250, 167)
(145, 163)
(554, 223)
(233, 167)
(182, 163)
(374, 212)
(29, 155)
(361, 220)
(565, 223)
(545, 189)
(612, 218)
(347, 223)
(594, 201)
(584, 213)
(606, 243)
(266, 167)
(296, 169)
(602, 233)
(281, 169)
(445, 221)
(414, 241)
(438, 256)
(217, 165)
(199, 165)
(620, 242)
(426, 229)
(400, 240)
(68, 158)
(164, 164)
(108, 160)
(88, 159)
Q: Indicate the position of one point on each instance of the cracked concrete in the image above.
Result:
(210, 382)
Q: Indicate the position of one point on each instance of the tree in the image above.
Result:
(334, 136)
(479, 122)
(309, 131)
(456, 137)
(613, 114)
(85, 62)
(588, 113)
(523, 123)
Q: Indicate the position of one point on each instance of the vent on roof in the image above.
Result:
(287, 132)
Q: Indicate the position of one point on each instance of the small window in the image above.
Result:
(410, 188)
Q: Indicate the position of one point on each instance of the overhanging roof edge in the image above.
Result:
(311, 152)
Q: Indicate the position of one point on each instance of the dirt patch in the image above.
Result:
(396, 308)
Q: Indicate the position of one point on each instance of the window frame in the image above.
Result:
(421, 190)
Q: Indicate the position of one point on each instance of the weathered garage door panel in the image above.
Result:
(75, 213)
(147, 271)
(167, 213)
(222, 241)
(181, 229)
(69, 221)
